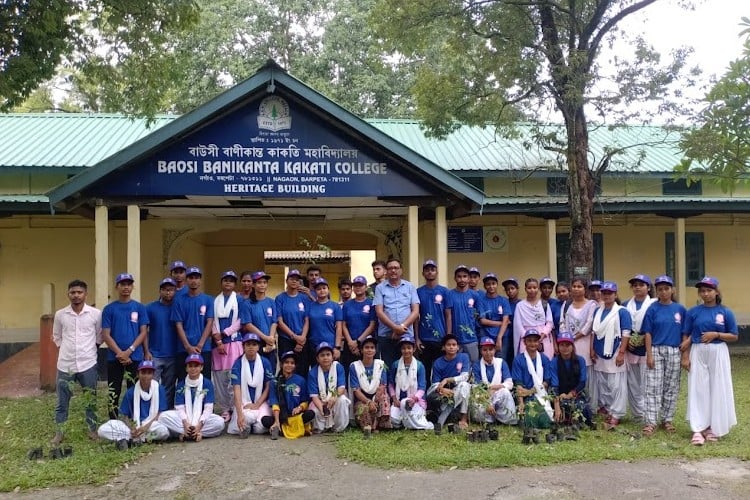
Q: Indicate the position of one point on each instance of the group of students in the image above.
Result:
(205, 364)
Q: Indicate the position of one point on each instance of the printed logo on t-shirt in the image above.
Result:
(500, 309)
(296, 390)
(203, 310)
(269, 312)
(471, 303)
(329, 312)
(301, 306)
(438, 299)
(459, 365)
(366, 309)
(134, 317)
(719, 319)
(678, 318)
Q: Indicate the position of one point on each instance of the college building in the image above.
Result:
(271, 174)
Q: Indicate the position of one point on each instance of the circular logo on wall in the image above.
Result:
(274, 114)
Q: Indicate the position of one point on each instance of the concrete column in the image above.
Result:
(680, 267)
(413, 244)
(552, 248)
(48, 298)
(441, 241)
(101, 255)
(134, 248)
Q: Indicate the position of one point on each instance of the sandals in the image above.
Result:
(698, 439)
(648, 430)
(668, 426)
(709, 435)
(611, 423)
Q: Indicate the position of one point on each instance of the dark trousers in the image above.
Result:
(181, 369)
(115, 373)
(303, 364)
(430, 352)
(87, 380)
(388, 350)
(267, 421)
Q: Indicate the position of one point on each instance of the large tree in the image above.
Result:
(482, 59)
(719, 146)
(114, 39)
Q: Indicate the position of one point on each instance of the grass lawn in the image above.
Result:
(424, 450)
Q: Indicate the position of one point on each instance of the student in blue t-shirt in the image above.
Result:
(430, 329)
(258, 316)
(359, 321)
(461, 313)
(450, 387)
(161, 342)
(193, 314)
(326, 320)
(494, 313)
(292, 322)
(124, 330)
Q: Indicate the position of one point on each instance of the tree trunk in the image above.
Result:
(581, 191)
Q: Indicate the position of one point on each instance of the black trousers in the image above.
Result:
(115, 374)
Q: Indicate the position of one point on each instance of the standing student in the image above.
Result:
(293, 323)
(227, 336)
(662, 327)
(178, 272)
(430, 329)
(124, 330)
(494, 374)
(193, 315)
(510, 286)
(595, 291)
(345, 290)
(494, 313)
(635, 356)
(246, 286)
(162, 339)
(368, 380)
(312, 275)
(533, 375)
(378, 274)
(546, 287)
(474, 278)
(611, 332)
(407, 387)
(77, 332)
(450, 387)
(251, 376)
(562, 292)
(327, 385)
(326, 320)
(397, 308)
(533, 313)
(461, 313)
(359, 322)
(710, 402)
(258, 316)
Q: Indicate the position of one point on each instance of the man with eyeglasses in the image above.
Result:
(397, 307)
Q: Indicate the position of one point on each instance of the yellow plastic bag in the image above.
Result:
(293, 428)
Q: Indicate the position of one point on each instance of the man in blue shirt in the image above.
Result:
(431, 326)
(397, 307)
(161, 344)
(193, 314)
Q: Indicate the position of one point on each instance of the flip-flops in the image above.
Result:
(668, 426)
(648, 430)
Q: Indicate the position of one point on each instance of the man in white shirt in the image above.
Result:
(77, 332)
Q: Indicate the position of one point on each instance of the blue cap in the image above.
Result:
(531, 332)
(486, 341)
(640, 277)
(407, 339)
(146, 364)
(124, 277)
(193, 270)
(293, 272)
(370, 339)
(229, 274)
(508, 281)
(429, 263)
(664, 279)
(178, 264)
(323, 346)
(260, 275)
(359, 280)
(194, 358)
(595, 283)
(168, 281)
(461, 267)
(320, 281)
(546, 279)
(251, 337)
(288, 354)
(474, 270)
(709, 282)
(490, 276)
(609, 286)
(566, 337)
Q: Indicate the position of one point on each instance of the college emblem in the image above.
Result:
(269, 312)
(273, 114)
(366, 309)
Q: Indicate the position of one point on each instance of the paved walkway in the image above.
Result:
(19, 374)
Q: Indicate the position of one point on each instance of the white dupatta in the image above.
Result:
(252, 378)
(330, 386)
(497, 377)
(194, 407)
(536, 370)
(638, 314)
(369, 385)
(139, 395)
(608, 328)
(406, 380)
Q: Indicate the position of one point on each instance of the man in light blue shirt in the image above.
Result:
(397, 307)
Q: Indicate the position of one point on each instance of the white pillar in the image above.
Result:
(134, 248)
(680, 267)
(441, 240)
(101, 255)
(552, 249)
(413, 243)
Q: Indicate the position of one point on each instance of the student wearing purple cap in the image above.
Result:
(326, 322)
(533, 375)
(494, 313)
(327, 385)
(450, 389)
(662, 328)
(611, 330)
(227, 345)
(431, 327)
(359, 322)
(178, 272)
(492, 374)
(124, 330)
(461, 313)
(710, 400)
(368, 380)
(474, 278)
(193, 315)
(569, 372)
(407, 387)
(251, 377)
(533, 313)
(635, 357)
(293, 323)
(162, 340)
(577, 318)
(258, 316)
(139, 412)
(289, 399)
(595, 291)
(193, 416)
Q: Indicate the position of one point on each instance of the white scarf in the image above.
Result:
(152, 395)
(608, 329)
(406, 380)
(194, 409)
(638, 314)
(324, 389)
(369, 386)
(251, 379)
(497, 377)
(226, 310)
(536, 370)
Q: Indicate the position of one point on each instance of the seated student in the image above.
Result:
(288, 397)
(193, 416)
(251, 376)
(450, 388)
(493, 373)
(532, 373)
(139, 412)
(327, 385)
(408, 384)
(368, 380)
(571, 401)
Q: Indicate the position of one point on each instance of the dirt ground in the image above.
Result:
(308, 468)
